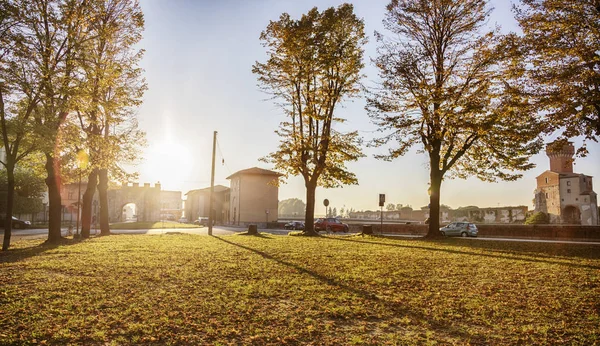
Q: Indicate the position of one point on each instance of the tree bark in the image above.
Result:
(54, 199)
(10, 198)
(435, 177)
(86, 208)
(103, 195)
(309, 219)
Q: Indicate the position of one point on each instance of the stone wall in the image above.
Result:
(488, 230)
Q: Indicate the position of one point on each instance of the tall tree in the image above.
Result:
(53, 33)
(313, 64)
(442, 90)
(19, 95)
(113, 86)
(561, 62)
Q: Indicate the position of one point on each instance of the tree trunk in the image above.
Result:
(309, 219)
(86, 208)
(103, 195)
(10, 199)
(434, 198)
(54, 199)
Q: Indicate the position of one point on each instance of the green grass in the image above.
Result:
(233, 290)
(151, 225)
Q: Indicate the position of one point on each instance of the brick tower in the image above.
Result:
(561, 158)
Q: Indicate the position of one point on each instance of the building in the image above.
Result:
(254, 196)
(566, 197)
(71, 195)
(197, 204)
(147, 200)
(170, 205)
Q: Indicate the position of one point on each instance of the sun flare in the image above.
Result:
(168, 162)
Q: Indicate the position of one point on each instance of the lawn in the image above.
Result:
(152, 225)
(243, 290)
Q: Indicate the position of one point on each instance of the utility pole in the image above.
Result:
(212, 186)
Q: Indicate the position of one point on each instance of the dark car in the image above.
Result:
(16, 223)
(463, 229)
(330, 224)
(294, 225)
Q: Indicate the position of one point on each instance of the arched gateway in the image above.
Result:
(146, 198)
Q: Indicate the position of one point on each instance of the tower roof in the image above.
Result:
(256, 171)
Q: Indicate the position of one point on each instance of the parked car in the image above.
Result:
(182, 220)
(294, 225)
(16, 223)
(202, 221)
(330, 224)
(463, 229)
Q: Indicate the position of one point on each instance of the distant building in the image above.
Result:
(254, 196)
(475, 214)
(170, 205)
(70, 196)
(197, 204)
(565, 196)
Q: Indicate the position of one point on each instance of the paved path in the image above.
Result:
(40, 233)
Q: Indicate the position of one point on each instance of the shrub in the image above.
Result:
(538, 218)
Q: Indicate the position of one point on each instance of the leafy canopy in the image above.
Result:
(313, 64)
(559, 67)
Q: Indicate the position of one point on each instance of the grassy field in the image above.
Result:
(152, 225)
(241, 290)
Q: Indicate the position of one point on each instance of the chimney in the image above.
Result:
(561, 158)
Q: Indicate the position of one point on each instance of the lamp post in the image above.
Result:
(82, 161)
(267, 218)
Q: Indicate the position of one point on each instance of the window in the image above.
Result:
(546, 194)
(70, 195)
(568, 183)
(568, 190)
(546, 180)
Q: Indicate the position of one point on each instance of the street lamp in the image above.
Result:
(82, 161)
(267, 214)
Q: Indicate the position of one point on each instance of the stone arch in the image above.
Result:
(571, 214)
(146, 198)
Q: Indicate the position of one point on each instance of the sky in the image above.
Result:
(198, 61)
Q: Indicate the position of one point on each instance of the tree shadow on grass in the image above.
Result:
(511, 252)
(397, 308)
(16, 255)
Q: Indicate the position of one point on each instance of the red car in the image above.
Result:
(330, 224)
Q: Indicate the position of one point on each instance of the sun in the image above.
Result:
(168, 162)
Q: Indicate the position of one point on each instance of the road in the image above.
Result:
(41, 233)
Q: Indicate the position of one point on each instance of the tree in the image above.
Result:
(390, 207)
(539, 218)
(291, 207)
(53, 31)
(112, 87)
(314, 64)
(19, 96)
(560, 63)
(29, 188)
(442, 89)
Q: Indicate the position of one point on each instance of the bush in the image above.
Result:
(539, 218)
